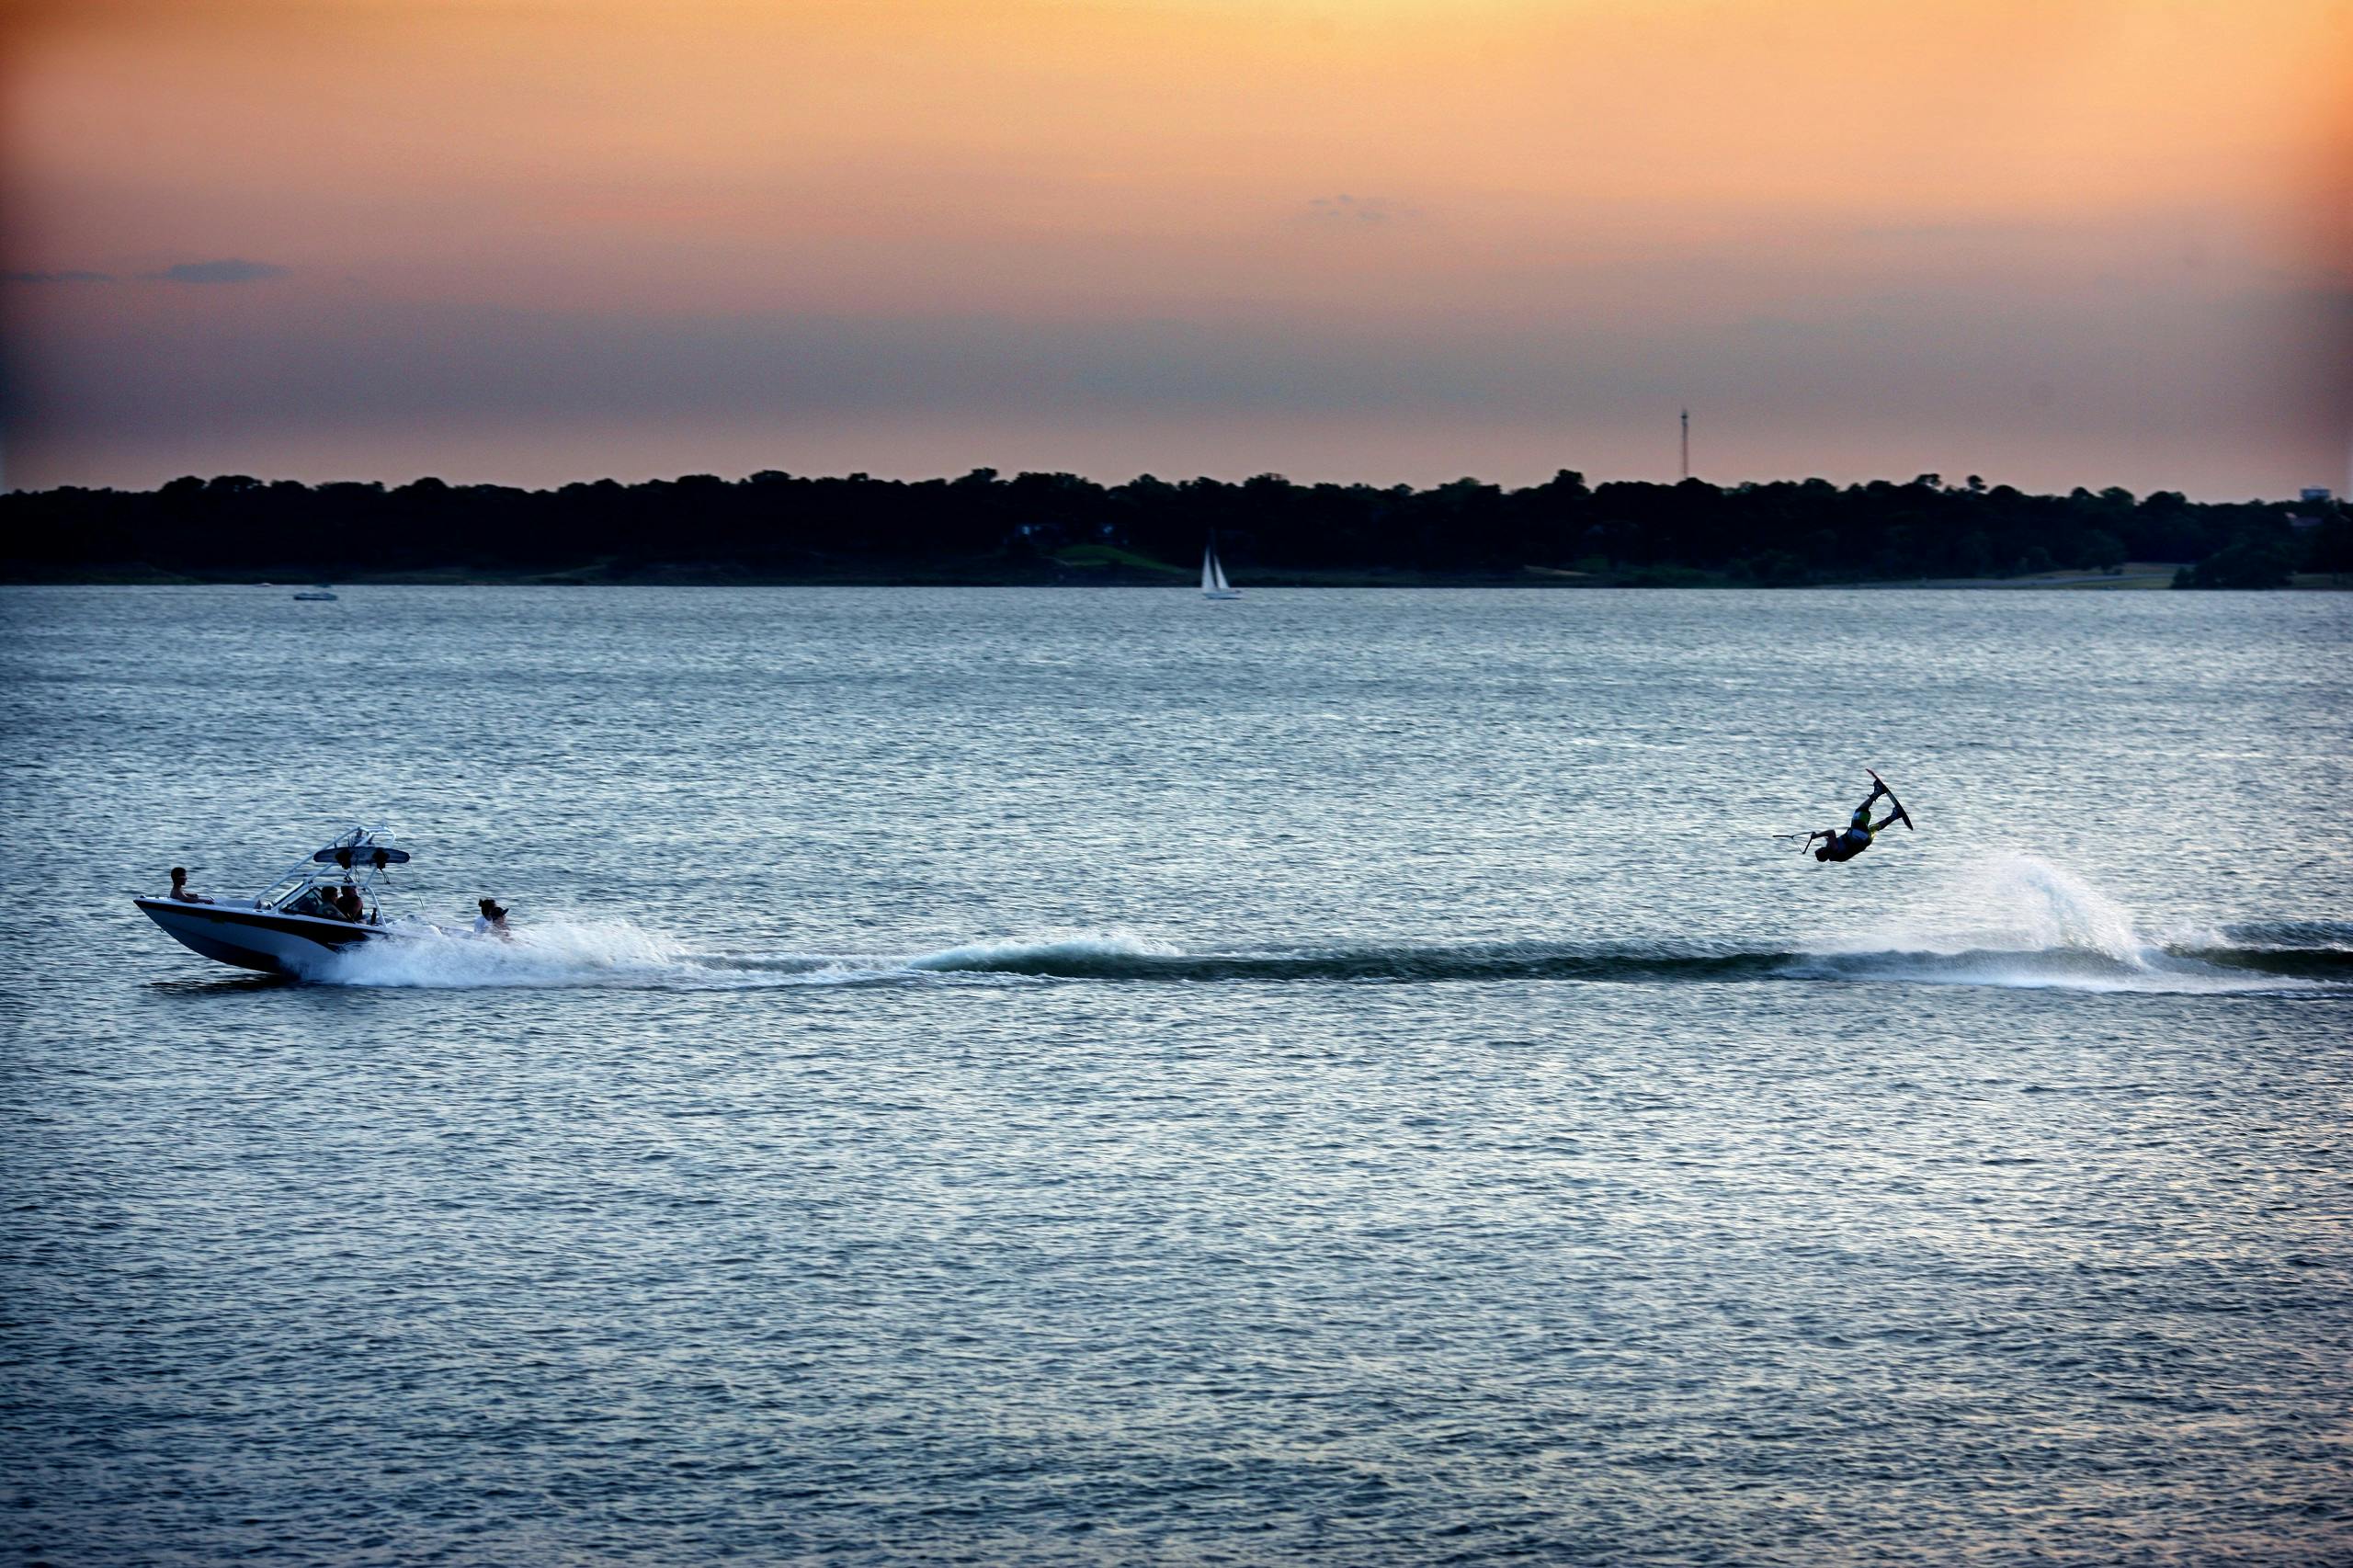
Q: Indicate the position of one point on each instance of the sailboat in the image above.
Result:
(1213, 583)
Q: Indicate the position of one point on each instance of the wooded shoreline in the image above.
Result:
(1059, 528)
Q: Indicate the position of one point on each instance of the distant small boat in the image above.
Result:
(322, 593)
(1213, 583)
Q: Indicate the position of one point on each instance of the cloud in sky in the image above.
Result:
(227, 270)
(1346, 208)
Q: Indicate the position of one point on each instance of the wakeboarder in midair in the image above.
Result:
(1845, 843)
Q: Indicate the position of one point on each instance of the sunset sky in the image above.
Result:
(2056, 243)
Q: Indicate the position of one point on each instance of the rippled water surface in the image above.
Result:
(1096, 1076)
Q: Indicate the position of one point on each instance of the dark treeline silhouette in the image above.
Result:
(1038, 526)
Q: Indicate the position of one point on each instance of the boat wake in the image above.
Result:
(2014, 922)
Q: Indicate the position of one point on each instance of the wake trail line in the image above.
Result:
(625, 959)
(2012, 921)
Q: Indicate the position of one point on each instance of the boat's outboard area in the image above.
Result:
(329, 900)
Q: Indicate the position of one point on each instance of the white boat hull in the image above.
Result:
(264, 940)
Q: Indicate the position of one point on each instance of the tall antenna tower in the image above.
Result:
(1687, 443)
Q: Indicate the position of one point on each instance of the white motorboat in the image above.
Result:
(292, 925)
(1213, 583)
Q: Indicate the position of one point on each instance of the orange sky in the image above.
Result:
(531, 241)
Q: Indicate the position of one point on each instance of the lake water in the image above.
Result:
(1095, 1076)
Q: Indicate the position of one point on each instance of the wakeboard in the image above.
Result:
(1901, 815)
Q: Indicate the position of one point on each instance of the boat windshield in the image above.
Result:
(303, 894)
(304, 889)
(281, 890)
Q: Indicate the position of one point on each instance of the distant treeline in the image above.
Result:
(1037, 526)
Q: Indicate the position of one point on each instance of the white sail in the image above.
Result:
(1213, 583)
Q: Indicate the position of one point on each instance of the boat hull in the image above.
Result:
(255, 938)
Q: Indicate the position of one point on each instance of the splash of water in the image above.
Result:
(550, 952)
(2018, 920)
(616, 953)
(1055, 953)
(2011, 902)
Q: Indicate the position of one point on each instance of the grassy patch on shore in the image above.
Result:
(1099, 556)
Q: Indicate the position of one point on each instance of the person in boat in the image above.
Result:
(181, 890)
(318, 902)
(492, 921)
(346, 900)
(1845, 843)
